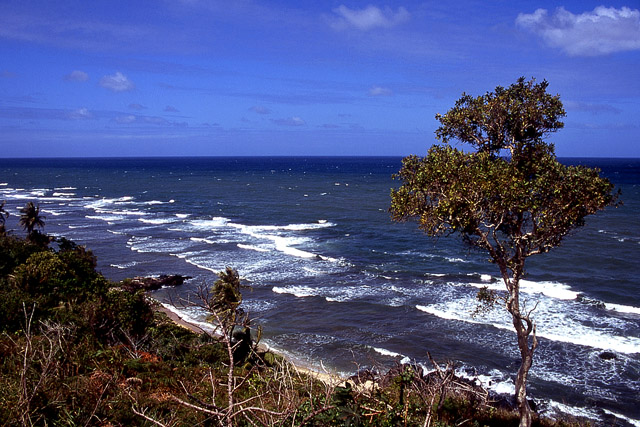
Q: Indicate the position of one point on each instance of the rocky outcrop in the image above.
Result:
(153, 283)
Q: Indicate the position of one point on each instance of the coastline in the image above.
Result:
(325, 377)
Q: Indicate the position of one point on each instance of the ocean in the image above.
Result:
(338, 286)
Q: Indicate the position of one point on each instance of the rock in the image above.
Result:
(153, 283)
(607, 355)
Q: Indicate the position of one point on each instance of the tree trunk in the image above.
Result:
(526, 355)
(524, 327)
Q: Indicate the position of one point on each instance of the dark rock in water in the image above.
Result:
(608, 355)
(153, 283)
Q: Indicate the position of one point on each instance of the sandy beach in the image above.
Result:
(325, 377)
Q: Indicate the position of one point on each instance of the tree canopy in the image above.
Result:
(509, 196)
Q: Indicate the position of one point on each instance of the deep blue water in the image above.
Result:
(334, 280)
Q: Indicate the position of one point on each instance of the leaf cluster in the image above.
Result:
(513, 118)
(513, 206)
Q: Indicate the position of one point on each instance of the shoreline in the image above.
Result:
(325, 377)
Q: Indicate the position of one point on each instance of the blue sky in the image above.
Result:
(243, 77)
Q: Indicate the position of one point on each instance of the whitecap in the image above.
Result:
(156, 221)
(550, 289)
(252, 248)
(495, 381)
(385, 352)
(452, 259)
(573, 410)
(106, 218)
(124, 266)
(208, 224)
(552, 324)
(50, 212)
(203, 240)
(623, 308)
(622, 417)
(298, 291)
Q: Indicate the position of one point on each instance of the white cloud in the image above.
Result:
(77, 76)
(80, 114)
(124, 120)
(368, 18)
(380, 91)
(291, 121)
(117, 82)
(604, 30)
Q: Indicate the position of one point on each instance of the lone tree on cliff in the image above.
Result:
(510, 196)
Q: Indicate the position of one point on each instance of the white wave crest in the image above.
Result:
(298, 291)
(549, 289)
(623, 308)
(385, 352)
(565, 324)
(208, 224)
(252, 248)
(156, 221)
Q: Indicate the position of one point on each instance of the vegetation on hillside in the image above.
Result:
(77, 349)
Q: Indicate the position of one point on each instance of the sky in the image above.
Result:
(305, 78)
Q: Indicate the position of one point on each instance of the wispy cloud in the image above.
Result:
(290, 121)
(29, 113)
(368, 18)
(125, 119)
(604, 30)
(171, 109)
(380, 91)
(591, 107)
(117, 82)
(80, 114)
(77, 76)
(258, 109)
(136, 106)
(129, 119)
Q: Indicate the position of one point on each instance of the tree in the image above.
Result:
(3, 217)
(30, 220)
(509, 197)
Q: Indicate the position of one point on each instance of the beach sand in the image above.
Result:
(326, 377)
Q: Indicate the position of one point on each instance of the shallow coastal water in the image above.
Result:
(337, 284)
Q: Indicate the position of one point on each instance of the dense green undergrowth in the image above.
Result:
(77, 349)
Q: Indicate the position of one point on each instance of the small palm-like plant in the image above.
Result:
(226, 297)
(3, 217)
(31, 219)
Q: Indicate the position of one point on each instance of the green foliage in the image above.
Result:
(226, 296)
(496, 205)
(31, 220)
(510, 197)
(516, 118)
(78, 350)
(3, 217)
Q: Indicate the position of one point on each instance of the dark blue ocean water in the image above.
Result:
(338, 286)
